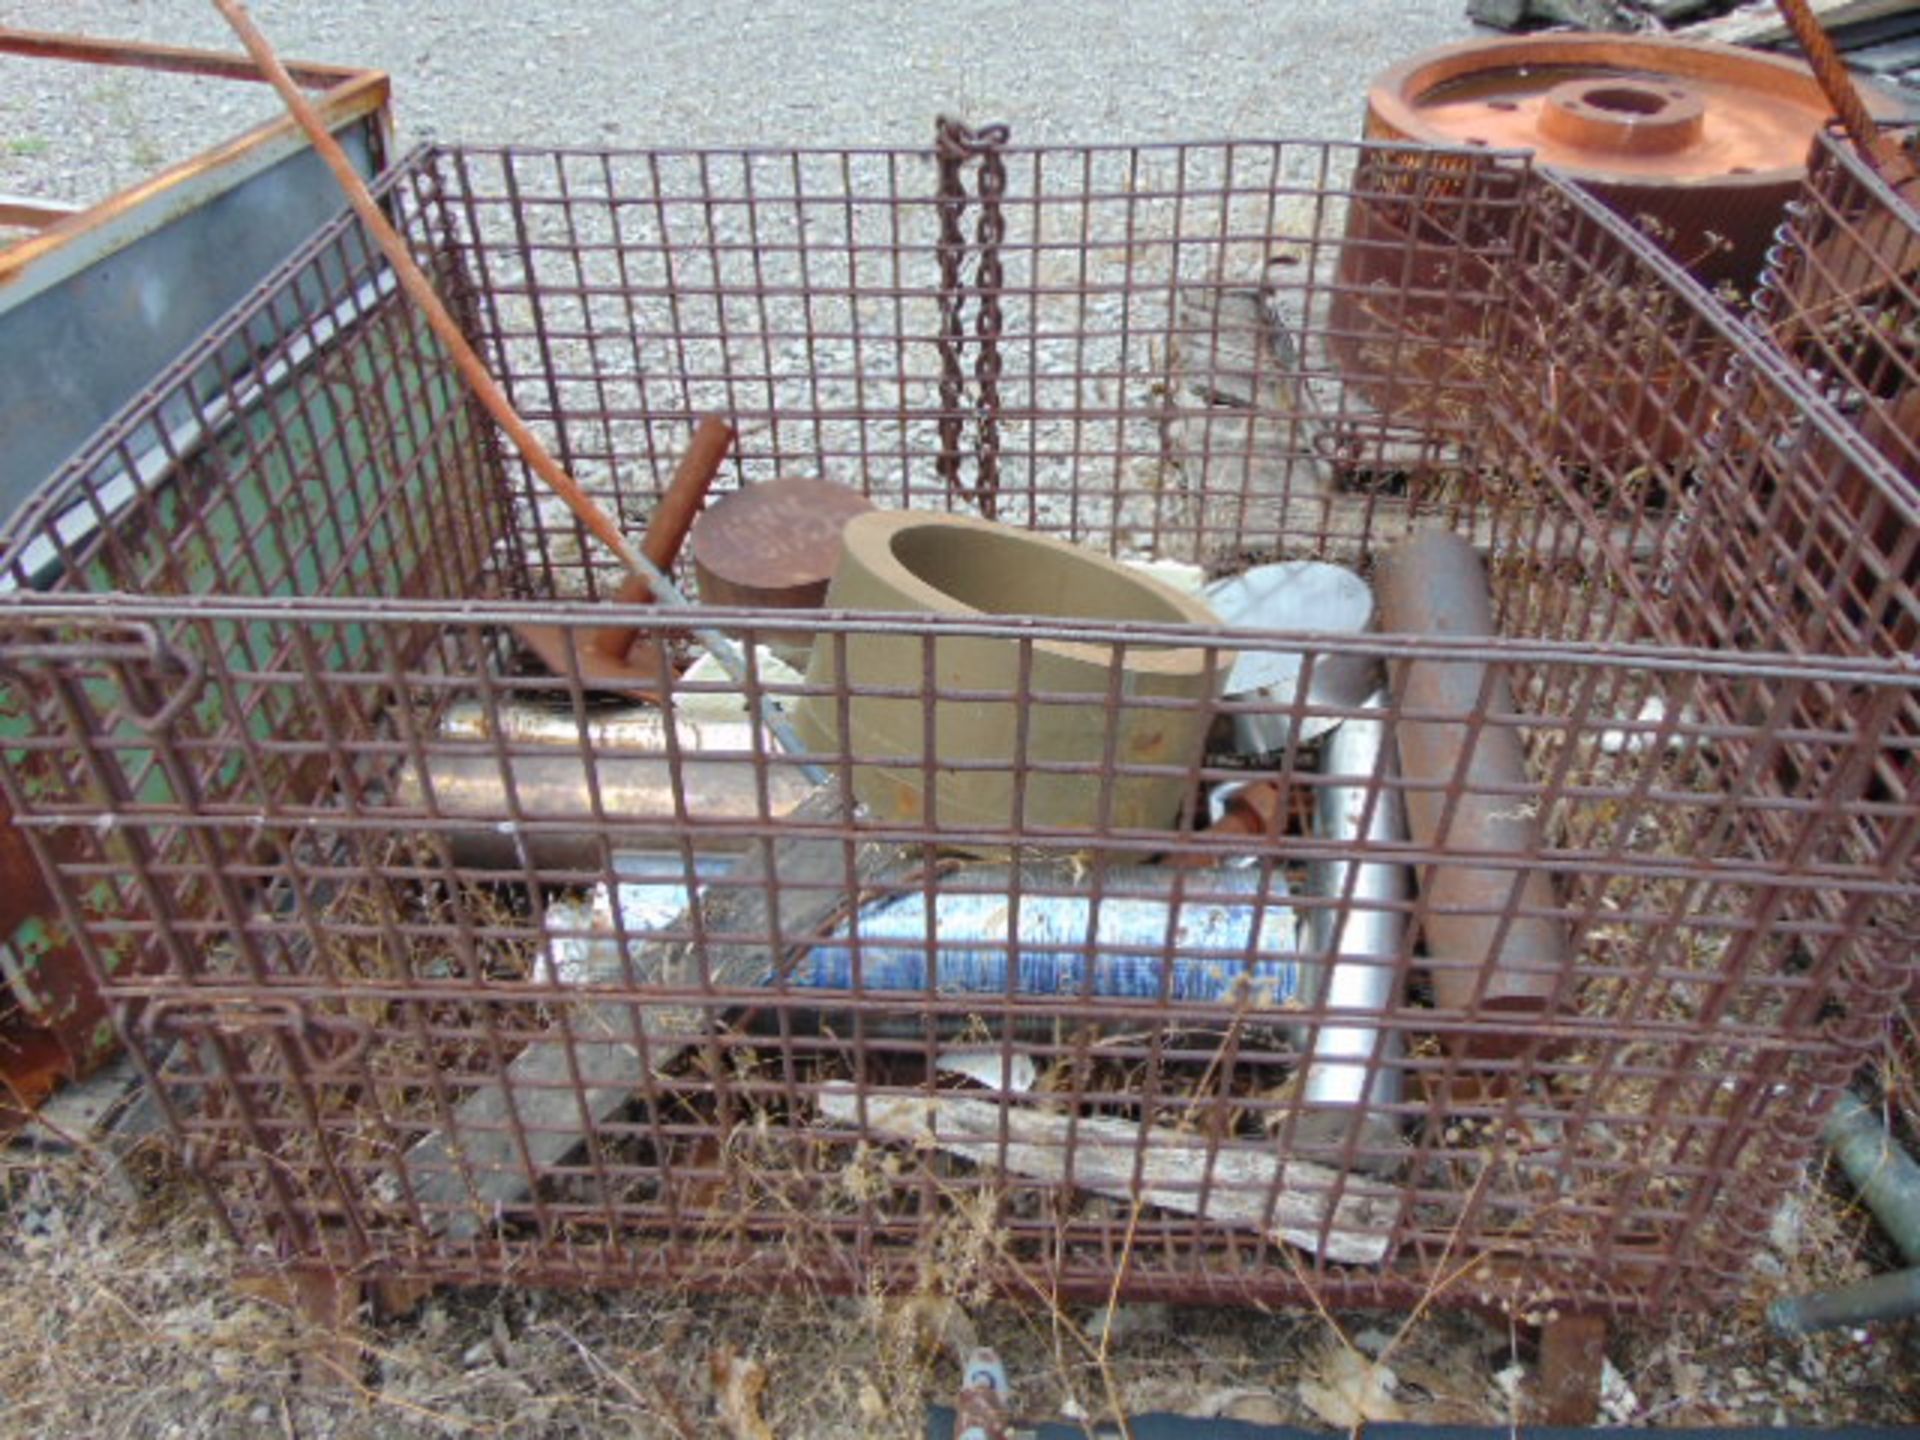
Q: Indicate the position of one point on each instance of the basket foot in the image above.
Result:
(1573, 1351)
(329, 1303)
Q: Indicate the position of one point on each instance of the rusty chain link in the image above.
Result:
(950, 152)
(955, 144)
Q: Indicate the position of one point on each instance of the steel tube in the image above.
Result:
(1463, 800)
(549, 769)
(1361, 938)
(1885, 1297)
(1879, 1167)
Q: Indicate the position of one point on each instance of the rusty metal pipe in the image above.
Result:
(474, 371)
(1507, 959)
(667, 528)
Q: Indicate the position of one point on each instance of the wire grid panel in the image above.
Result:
(454, 970)
(316, 442)
(1841, 303)
(540, 1063)
(1166, 330)
(1782, 528)
(1841, 296)
(1791, 530)
(1776, 530)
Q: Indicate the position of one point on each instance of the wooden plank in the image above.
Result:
(479, 1166)
(1762, 25)
(1171, 1164)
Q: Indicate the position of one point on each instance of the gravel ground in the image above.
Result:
(771, 71)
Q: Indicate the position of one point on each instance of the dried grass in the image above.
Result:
(121, 1321)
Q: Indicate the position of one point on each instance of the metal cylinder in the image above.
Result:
(1879, 1167)
(1361, 938)
(1497, 959)
(550, 772)
(1700, 145)
(1884, 1297)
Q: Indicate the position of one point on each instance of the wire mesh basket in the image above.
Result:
(1841, 295)
(448, 967)
(1840, 300)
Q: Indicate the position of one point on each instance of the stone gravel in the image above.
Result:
(780, 72)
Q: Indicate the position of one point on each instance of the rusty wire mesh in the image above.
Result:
(401, 924)
(1841, 296)
(1841, 301)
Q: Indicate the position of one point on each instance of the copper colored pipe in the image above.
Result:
(667, 529)
(420, 290)
(1433, 583)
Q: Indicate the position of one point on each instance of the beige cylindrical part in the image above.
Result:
(550, 783)
(917, 563)
(1433, 583)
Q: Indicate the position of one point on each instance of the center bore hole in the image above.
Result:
(1622, 101)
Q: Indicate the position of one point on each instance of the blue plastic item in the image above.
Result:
(1223, 943)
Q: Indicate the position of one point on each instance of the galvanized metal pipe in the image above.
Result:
(1885, 1297)
(1880, 1169)
(1433, 583)
(1888, 1181)
(1360, 937)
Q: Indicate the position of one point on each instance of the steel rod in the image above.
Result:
(1885, 1297)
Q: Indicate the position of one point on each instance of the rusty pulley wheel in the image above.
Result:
(1701, 144)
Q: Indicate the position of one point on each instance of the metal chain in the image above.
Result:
(955, 144)
(950, 151)
(992, 229)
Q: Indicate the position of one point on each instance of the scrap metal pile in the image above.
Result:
(1256, 719)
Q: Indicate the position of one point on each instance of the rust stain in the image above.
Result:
(33, 1064)
(1147, 745)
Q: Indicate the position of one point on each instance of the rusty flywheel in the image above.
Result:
(1704, 144)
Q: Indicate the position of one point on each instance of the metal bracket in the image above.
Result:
(327, 1043)
(173, 674)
